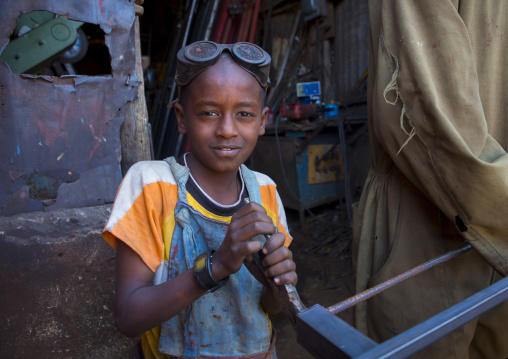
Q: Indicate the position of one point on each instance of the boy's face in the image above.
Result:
(222, 115)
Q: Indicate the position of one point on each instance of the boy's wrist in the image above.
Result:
(203, 273)
(217, 269)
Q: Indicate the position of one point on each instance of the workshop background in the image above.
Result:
(84, 93)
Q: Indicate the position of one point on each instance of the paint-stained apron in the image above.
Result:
(228, 322)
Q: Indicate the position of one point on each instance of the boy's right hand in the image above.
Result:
(248, 222)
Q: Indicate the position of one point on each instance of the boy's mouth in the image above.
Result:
(226, 150)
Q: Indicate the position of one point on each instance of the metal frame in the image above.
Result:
(326, 336)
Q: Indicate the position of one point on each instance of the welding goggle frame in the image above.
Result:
(199, 56)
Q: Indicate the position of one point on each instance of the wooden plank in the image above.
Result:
(134, 133)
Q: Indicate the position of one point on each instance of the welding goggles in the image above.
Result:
(199, 56)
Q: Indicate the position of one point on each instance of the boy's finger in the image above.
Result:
(254, 228)
(280, 254)
(242, 218)
(249, 208)
(244, 249)
(275, 241)
(251, 247)
(286, 278)
(252, 225)
(280, 268)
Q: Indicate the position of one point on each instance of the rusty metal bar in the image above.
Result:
(351, 302)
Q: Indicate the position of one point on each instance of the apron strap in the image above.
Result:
(181, 175)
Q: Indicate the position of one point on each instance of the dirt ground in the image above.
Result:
(322, 254)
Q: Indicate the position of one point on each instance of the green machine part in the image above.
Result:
(42, 37)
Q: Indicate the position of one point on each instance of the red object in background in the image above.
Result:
(254, 22)
(298, 111)
(221, 24)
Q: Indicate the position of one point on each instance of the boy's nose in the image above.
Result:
(226, 127)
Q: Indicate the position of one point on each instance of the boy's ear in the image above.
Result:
(264, 116)
(180, 118)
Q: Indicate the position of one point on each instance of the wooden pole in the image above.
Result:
(134, 132)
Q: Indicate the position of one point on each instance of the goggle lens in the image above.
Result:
(249, 53)
(202, 51)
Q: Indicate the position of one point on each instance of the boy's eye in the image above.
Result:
(209, 113)
(246, 114)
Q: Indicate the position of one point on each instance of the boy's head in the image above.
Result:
(221, 103)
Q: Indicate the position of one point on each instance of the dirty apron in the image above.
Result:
(228, 322)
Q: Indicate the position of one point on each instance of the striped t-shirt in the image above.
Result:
(143, 217)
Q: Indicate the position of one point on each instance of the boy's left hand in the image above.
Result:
(278, 260)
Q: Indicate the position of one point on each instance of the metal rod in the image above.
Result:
(424, 334)
(351, 302)
(282, 69)
(173, 88)
(212, 19)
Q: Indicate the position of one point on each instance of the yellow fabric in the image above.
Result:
(198, 207)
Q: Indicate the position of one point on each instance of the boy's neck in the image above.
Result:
(222, 187)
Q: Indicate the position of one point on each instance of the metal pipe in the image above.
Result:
(254, 21)
(212, 19)
(282, 69)
(363, 296)
(225, 34)
(244, 34)
(222, 22)
(347, 174)
(243, 24)
(173, 88)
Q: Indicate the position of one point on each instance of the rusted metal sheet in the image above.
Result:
(59, 137)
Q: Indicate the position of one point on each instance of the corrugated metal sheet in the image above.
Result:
(351, 48)
(59, 137)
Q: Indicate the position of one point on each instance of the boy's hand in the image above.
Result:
(248, 222)
(278, 260)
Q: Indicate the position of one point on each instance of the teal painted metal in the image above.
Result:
(316, 194)
(41, 40)
(292, 182)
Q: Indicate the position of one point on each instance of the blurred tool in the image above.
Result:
(42, 37)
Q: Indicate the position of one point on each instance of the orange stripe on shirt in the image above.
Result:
(269, 200)
(148, 208)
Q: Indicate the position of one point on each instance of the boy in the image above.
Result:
(187, 221)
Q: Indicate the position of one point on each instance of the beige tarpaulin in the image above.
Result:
(437, 120)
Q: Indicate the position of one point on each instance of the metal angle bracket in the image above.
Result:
(326, 336)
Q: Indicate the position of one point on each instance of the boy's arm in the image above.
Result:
(141, 306)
